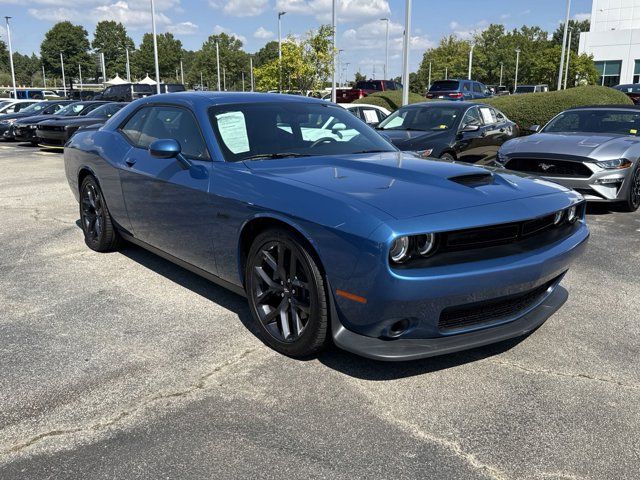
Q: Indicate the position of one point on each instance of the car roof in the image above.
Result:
(446, 103)
(225, 98)
(606, 107)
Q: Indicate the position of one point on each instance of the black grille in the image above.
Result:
(549, 168)
(51, 128)
(488, 311)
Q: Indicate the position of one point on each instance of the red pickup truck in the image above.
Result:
(366, 87)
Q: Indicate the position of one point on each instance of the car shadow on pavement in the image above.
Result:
(367, 369)
(602, 208)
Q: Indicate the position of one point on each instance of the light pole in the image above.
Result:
(64, 83)
(155, 45)
(471, 59)
(13, 74)
(44, 77)
(501, 70)
(104, 68)
(201, 83)
(386, 50)
(243, 81)
(564, 44)
(224, 79)
(80, 75)
(181, 73)
(566, 74)
(429, 82)
(251, 71)
(280, 15)
(128, 67)
(340, 68)
(405, 54)
(218, 64)
(446, 73)
(515, 80)
(335, 27)
(346, 73)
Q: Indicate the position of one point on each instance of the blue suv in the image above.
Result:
(458, 90)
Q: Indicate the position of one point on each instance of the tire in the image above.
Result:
(288, 303)
(448, 157)
(99, 232)
(632, 202)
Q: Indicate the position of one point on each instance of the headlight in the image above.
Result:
(33, 127)
(399, 250)
(501, 157)
(424, 153)
(426, 244)
(617, 164)
(572, 214)
(558, 217)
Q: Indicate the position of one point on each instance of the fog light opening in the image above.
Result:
(398, 328)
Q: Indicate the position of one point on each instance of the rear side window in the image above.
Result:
(472, 117)
(477, 88)
(154, 123)
(444, 85)
(465, 87)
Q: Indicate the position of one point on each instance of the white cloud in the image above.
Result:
(263, 33)
(372, 35)
(466, 32)
(581, 17)
(241, 8)
(348, 10)
(218, 29)
(183, 28)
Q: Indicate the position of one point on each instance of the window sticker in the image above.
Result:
(370, 116)
(233, 131)
(487, 116)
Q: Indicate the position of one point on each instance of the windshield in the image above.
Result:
(106, 111)
(444, 85)
(525, 89)
(596, 121)
(422, 118)
(35, 108)
(72, 109)
(289, 129)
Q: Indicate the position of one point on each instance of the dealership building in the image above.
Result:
(614, 40)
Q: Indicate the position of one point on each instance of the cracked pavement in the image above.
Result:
(125, 366)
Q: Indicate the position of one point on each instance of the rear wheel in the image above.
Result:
(99, 232)
(286, 293)
(633, 196)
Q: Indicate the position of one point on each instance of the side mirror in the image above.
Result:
(470, 128)
(169, 148)
(534, 128)
(165, 148)
(338, 126)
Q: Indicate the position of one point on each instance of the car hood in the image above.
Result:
(594, 146)
(408, 139)
(13, 116)
(79, 121)
(402, 184)
(33, 119)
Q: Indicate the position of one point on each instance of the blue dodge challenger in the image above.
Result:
(327, 229)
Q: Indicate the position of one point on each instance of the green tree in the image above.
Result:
(27, 68)
(169, 55)
(4, 57)
(266, 54)
(449, 58)
(306, 64)
(233, 63)
(576, 26)
(111, 39)
(359, 77)
(70, 40)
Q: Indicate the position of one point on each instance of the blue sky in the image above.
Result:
(361, 33)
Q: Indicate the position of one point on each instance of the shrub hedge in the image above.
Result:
(391, 100)
(538, 108)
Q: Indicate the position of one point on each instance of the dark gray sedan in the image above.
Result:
(594, 150)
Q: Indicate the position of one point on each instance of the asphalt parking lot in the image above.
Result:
(125, 366)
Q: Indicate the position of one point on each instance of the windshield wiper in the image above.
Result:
(372, 151)
(271, 156)
(409, 129)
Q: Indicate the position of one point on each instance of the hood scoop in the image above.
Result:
(474, 179)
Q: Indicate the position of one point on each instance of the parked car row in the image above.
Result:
(50, 124)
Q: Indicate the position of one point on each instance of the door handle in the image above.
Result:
(130, 162)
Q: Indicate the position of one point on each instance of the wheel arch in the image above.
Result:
(259, 224)
(83, 173)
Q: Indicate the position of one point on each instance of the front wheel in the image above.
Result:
(99, 232)
(286, 293)
(632, 202)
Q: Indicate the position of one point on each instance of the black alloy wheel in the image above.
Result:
(633, 201)
(286, 294)
(99, 233)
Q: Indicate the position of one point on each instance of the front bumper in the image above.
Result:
(6, 132)
(414, 349)
(52, 138)
(24, 133)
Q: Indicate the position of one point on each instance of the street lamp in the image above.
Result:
(80, 75)
(280, 15)
(251, 70)
(181, 73)
(564, 44)
(339, 67)
(129, 67)
(515, 80)
(64, 83)
(566, 74)
(13, 74)
(429, 82)
(346, 73)
(405, 54)
(386, 50)
(334, 25)
(473, 45)
(218, 64)
(155, 46)
(501, 70)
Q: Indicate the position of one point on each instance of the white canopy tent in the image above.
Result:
(147, 80)
(115, 81)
